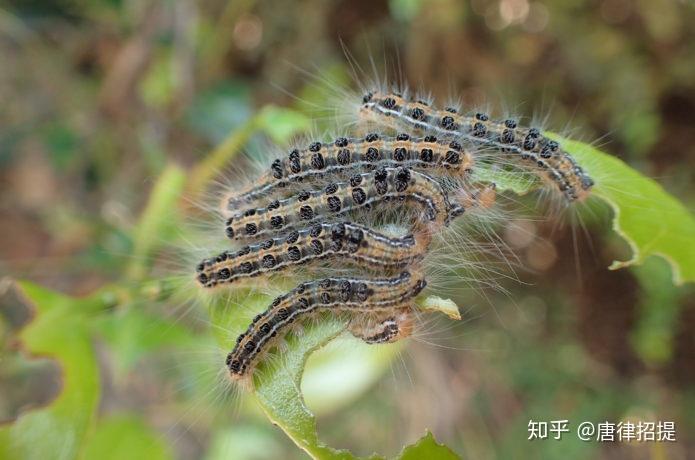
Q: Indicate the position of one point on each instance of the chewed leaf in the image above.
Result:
(428, 448)
(59, 330)
(446, 306)
(278, 390)
(277, 383)
(645, 215)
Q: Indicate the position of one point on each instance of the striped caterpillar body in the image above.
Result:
(357, 244)
(331, 294)
(362, 190)
(383, 326)
(344, 157)
(534, 149)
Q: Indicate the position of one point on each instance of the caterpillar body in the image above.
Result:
(383, 326)
(344, 157)
(352, 295)
(362, 190)
(359, 245)
(528, 144)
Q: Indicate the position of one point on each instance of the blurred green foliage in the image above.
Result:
(109, 107)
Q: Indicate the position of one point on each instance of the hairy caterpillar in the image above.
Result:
(529, 144)
(345, 156)
(350, 295)
(383, 326)
(362, 190)
(298, 201)
(355, 243)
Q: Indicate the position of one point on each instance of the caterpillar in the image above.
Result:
(355, 243)
(352, 295)
(362, 190)
(345, 156)
(383, 326)
(529, 144)
(296, 213)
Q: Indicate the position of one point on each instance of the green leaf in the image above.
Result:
(59, 330)
(277, 384)
(650, 220)
(343, 370)
(124, 436)
(645, 215)
(428, 448)
(132, 333)
(278, 390)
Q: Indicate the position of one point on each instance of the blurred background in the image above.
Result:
(98, 97)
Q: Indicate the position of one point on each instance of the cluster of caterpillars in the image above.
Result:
(331, 202)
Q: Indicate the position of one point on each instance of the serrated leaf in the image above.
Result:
(59, 330)
(124, 436)
(427, 447)
(650, 220)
